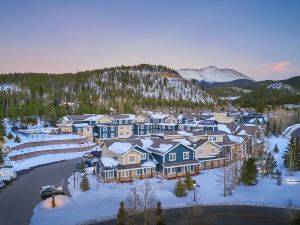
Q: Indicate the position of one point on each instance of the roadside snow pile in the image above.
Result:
(43, 159)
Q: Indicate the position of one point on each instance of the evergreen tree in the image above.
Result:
(84, 183)
(270, 164)
(1, 157)
(10, 136)
(160, 214)
(291, 156)
(249, 172)
(274, 128)
(268, 128)
(296, 221)
(180, 189)
(188, 182)
(17, 139)
(81, 167)
(122, 216)
(276, 149)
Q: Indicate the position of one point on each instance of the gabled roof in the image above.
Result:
(123, 116)
(201, 142)
(79, 117)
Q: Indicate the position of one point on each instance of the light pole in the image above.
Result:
(194, 186)
(74, 179)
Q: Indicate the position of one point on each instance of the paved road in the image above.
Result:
(18, 199)
(297, 132)
(225, 215)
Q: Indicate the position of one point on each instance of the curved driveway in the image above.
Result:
(19, 199)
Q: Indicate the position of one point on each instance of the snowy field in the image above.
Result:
(102, 201)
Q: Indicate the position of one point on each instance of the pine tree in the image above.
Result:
(274, 128)
(180, 189)
(297, 154)
(249, 172)
(84, 183)
(1, 157)
(276, 149)
(188, 182)
(268, 128)
(17, 139)
(122, 216)
(10, 136)
(270, 164)
(82, 167)
(160, 214)
(291, 155)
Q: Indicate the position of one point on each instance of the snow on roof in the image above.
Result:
(242, 132)
(159, 116)
(120, 147)
(163, 148)
(224, 128)
(182, 141)
(184, 133)
(79, 125)
(168, 124)
(147, 142)
(234, 138)
(109, 162)
(148, 164)
(212, 118)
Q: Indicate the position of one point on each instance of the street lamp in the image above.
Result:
(194, 186)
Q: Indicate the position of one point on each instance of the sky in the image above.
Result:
(260, 38)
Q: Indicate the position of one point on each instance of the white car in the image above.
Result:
(7, 174)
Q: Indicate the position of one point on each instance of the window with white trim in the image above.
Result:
(189, 168)
(110, 174)
(172, 156)
(183, 169)
(186, 155)
(201, 151)
(143, 156)
(104, 129)
(145, 170)
(104, 135)
(213, 150)
(171, 170)
(139, 171)
(142, 126)
(131, 159)
(142, 132)
(125, 174)
(112, 135)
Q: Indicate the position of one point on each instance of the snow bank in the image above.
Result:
(290, 130)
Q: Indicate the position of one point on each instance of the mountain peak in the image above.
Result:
(212, 74)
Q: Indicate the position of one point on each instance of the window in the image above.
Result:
(112, 135)
(104, 135)
(183, 169)
(145, 171)
(104, 129)
(163, 127)
(170, 127)
(139, 171)
(131, 159)
(109, 174)
(142, 126)
(142, 132)
(213, 150)
(125, 174)
(126, 121)
(144, 156)
(189, 168)
(115, 122)
(201, 151)
(171, 170)
(186, 155)
(87, 129)
(172, 156)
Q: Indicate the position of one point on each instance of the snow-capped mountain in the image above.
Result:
(212, 74)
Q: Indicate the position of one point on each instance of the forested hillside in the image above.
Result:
(98, 91)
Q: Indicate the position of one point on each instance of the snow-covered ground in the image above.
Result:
(102, 201)
(43, 159)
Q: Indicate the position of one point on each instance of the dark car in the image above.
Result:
(49, 191)
(96, 153)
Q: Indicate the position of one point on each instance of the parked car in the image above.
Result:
(2, 184)
(7, 175)
(50, 190)
(92, 154)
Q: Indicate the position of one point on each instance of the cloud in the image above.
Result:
(281, 66)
